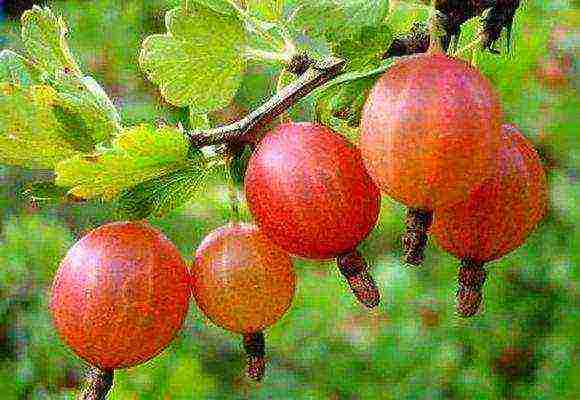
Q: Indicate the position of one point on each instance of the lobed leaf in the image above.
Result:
(137, 155)
(336, 20)
(163, 194)
(198, 62)
(17, 70)
(44, 37)
(31, 135)
(84, 102)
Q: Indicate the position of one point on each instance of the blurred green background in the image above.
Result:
(523, 346)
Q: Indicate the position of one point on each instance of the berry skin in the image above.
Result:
(502, 211)
(307, 188)
(498, 216)
(430, 132)
(120, 295)
(243, 283)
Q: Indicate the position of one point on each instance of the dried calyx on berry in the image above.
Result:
(243, 283)
(496, 218)
(309, 192)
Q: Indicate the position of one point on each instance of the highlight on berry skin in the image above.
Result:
(243, 283)
(308, 191)
(496, 218)
(439, 144)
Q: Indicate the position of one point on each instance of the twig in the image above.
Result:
(317, 74)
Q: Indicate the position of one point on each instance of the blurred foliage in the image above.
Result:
(525, 344)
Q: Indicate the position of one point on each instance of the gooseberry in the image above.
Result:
(497, 217)
(243, 283)
(120, 295)
(307, 188)
(430, 132)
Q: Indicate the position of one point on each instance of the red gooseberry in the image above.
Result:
(243, 283)
(497, 217)
(430, 132)
(120, 295)
(307, 188)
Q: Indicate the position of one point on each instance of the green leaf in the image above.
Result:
(198, 121)
(339, 103)
(44, 192)
(44, 36)
(163, 194)
(16, 69)
(356, 30)
(139, 154)
(198, 62)
(31, 136)
(219, 6)
(270, 10)
(239, 164)
(365, 47)
(84, 101)
(357, 75)
(337, 19)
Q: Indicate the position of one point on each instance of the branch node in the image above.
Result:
(299, 63)
(245, 130)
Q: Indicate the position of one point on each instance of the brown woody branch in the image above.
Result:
(312, 74)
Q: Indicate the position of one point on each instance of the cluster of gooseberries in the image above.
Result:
(432, 137)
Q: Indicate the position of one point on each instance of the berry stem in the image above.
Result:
(354, 268)
(470, 279)
(436, 30)
(255, 347)
(415, 238)
(99, 382)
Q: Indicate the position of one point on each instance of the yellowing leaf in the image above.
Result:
(139, 154)
(44, 36)
(30, 134)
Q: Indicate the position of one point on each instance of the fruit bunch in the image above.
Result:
(432, 138)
